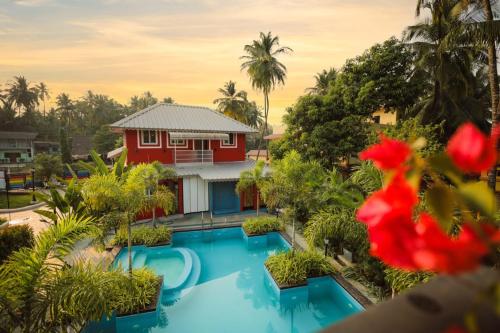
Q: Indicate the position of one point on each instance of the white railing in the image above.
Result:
(194, 156)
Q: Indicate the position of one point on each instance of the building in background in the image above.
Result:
(205, 147)
(17, 149)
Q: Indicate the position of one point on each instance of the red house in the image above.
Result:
(205, 147)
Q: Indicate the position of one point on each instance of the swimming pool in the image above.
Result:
(215, 281)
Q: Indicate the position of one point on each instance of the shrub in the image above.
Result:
(133, 295)
(13, 238)
(261, 225)
(293, 268)
(2, 220)
(144, 236)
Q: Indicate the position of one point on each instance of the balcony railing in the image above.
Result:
(194, 156)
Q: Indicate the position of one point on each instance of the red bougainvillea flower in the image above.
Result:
(389, 154)
(471, 150)
(455, 329)
(392, 203)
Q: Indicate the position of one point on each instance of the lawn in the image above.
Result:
(16, 200)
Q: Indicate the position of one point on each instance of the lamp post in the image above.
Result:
(326, 241)
(33, 198)
(7, 188)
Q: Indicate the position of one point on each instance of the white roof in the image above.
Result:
(177, 117)
(217, 171)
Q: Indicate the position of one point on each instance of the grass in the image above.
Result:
(16, 200)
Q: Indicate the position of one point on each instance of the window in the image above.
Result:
(376, 119)
(177, 142)
(149, 138)
(229, 141)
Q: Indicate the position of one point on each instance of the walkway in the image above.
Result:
(28, 217)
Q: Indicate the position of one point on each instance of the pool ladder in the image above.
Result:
(210, 221)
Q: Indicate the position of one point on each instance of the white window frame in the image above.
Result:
(223, 143)
(141, 143)
(172, 144)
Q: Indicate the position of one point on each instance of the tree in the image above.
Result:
(104, 140)
(138, 103)
(168, 100)
(250, 179)
(43, 94)
(264, 69)
(65, 146)
(233, 103)
(22, 95)
(48, 165)
(323, 81)
(65, 109)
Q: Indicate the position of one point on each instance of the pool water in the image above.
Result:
(230, 292)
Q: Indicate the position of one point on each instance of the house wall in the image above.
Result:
(163, 153)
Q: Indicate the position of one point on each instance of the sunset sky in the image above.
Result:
(185, 49)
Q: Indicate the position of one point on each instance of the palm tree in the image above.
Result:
(40, 292)
(43, 94)
(264, 69)
(233, 103)
(487, 33)
(448, 60)
(323, 80)
(22, 94)
(65, 108)
(250, 179)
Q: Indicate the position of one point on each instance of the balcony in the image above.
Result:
(193, 156)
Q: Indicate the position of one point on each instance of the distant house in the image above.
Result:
(384, 118)
(81, 145)
(17, 149)
(205, 147)
(252, 154)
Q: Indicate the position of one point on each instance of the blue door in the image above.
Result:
(223, 198)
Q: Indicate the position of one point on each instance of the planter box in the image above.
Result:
(259, 240)
(151, 307)
(299, 292)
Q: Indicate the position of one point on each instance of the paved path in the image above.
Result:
(27, 217)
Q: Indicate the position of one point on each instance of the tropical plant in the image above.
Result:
(47, 166)
(367, 177)
(250, 179)
(323, 80)
(233, 102)
(399, 280)
(292, 268)
(13, 238)
(264, 69)
(144, 235)
(43, 94)
(65, 109)
(22, 95)
(100, 168)
(261, 225)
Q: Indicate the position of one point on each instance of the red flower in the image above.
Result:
(455, 329)
(389, 154)
(394, 202)
(471, 150)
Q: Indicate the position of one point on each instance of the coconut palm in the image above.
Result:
(40, 292)
(43, 94)
(443, 54)
(22, 94)
(323, 80)
(65, 108)
(264, 69)
(250, 179)
(233, 103)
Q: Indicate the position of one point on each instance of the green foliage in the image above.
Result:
(323, 80)
(144, 235)
(104, 140)
(16, 200)
(48, 165)
(294, 267)
(132, 295)
(236, 105)
(65, 144)
(400, 280)
(101, 194)
(250, 178)
(13, 238)
(261, 225)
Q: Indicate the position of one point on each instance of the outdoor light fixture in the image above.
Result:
(326, 241)
(33, 198)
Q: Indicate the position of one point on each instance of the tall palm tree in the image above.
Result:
(323, 80)
(43, 94)
(65, 108)
(486, 30)
(233, 103)
(444, 55)
(264, 69)
(22, 94)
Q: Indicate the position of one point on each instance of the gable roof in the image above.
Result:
(177, 117)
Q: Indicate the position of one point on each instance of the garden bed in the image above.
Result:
(259, 226)
(149, 308)
(144, 235)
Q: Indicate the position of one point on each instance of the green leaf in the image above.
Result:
(441, 201)
(48, 214)
(479, 197)
(443, 164)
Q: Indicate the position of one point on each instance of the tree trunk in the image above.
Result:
(493, 80)
(264, 130)
(129, 241)
(154, 217)
(258, 200)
